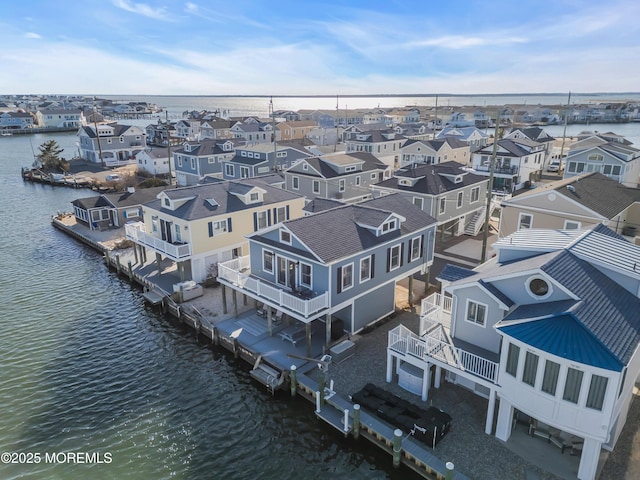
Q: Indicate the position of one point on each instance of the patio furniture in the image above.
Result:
(293, 334)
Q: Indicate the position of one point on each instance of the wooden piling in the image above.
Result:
(294, 381)
(397, 447)
(356, 421)
(130, 271)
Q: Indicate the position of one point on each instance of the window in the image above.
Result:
(347, 277)
(341, 185)
(167, 202)
(254, 197)
(154, 223)
(373, 176)
(550, 378)
(193, 164)
(295, 183)
(572, 385)
(530, 369)
(305, 166)
(211, 160)
(394, 257)
(305, 275)
(512, 359)
(261, 220)
(316, 186)
(229, 170)
(358, 180)
(267, 261)
(416, 248)
(525, 221)
(460, 199)
(365, 269)
(443, 205)
(475, 194)
(178, 230)
(388, 226)
(476, 312)
(538, 287)
(217, 228)
(595, 157)
(418, 202)
(350, 169)
(285, 237)
(597, 390)
(244, 172)
(179, 161)
(570, 225)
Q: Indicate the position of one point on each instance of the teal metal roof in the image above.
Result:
(565, 337)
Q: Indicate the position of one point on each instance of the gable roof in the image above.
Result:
(335, 233)
(431, 178)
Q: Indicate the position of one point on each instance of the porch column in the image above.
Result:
(389, 366)
(181, 270)
(488, 426)
(158, 259)
(308, 332)
(589, 459)
(269, 319)
(327, 323)
(234, 299)
(505, 420)
(426, 381)
(436, 381)
(135, 253)
(427, 280)
(410, 299)
(224, 299)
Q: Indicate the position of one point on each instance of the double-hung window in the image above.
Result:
(347, 277)
(365, 269)
(572, 385)
(416, 248)
(394, 257)
(597, 390)
(550, 377)
(267, 261)
(513, 356)
(443, 205)
(530, 369)
(305, 275)
(525, 221)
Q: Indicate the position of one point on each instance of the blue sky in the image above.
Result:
(251, 47)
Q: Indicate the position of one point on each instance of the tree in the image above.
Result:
(49, 157)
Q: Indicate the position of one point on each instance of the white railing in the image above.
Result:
(403, 340)
(435, 310)
(237, 272)
(135, 232)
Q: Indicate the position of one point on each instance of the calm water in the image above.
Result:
(85, 366)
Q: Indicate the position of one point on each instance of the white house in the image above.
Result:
(550, 327)
(154, 160)
(59, 118)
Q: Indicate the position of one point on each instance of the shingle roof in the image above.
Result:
(227, 202)
(320, 164)
(321, 204)
(334, 234)
(138, 197)
(431, 182)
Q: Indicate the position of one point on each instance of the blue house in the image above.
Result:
(339, 266)
(199, 159)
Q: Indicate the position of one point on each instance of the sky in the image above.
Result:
(301, 47)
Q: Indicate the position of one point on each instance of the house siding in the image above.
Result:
(481, 336)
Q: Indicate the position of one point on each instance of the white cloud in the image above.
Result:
(142, 9)
(32, 35)
(461, 41)
(191, 8)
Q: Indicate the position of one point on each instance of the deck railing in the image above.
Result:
(435, 310)
(403, 340)
(237, 272)
(135, 232)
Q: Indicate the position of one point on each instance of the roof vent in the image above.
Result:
(571, 188)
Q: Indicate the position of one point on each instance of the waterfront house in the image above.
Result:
(253, 131)
(434, 151)
(118, 143)
(473, 136)
(339, 266)
(15, 121)
(609, 154)
(535, 134)
(195, 160)
(201, 225)
(292, 130)
(573, 203)
(187, 129)
(385, 145)
(260, 159)
(549, 327)
(342, 176)
(519, 162)
(453, 196)
(154, 161)
(113, 210)
(159, 134)
(59, 118)
(216, 128)
(415, 131)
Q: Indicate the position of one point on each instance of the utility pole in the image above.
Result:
(335, 147)
(166, 116)
(275, 143)
(95, 125)
(487, 215)
(564, 132)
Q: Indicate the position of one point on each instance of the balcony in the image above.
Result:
(498, 170)
(175, 251)
(237, 273)
(435, 310)
(437, 347)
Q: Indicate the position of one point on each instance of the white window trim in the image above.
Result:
(460, 200)
(295, 183)
(346, 287)
(341, 185)
(310, 284)
(415, 239)
(520, 216)
(360, 279)
(486, 311)
(567, 222)
(282, 238)
(399, 247)
(273, 261)
(441, 210)
(413, 200)
(475, 189)
(533, 295)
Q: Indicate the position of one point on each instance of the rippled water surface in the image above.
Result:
(85, 366)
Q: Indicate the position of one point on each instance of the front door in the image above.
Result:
(165, 230)
(286, 272)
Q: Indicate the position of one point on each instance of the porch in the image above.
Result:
(175, 251)
(300, 304)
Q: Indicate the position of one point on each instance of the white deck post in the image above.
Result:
(589, 459)
(505, 420)
(426, 380)
(389, 366)
(436, 381)
(488, 426)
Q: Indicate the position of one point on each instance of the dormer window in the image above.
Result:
(539, 288)
(389, 226)
(404, 181)
(167, 202)
(350, 169)
(285, 237)
(254, 197)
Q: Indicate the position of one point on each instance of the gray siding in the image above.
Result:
(374, 305)
(484, 337)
